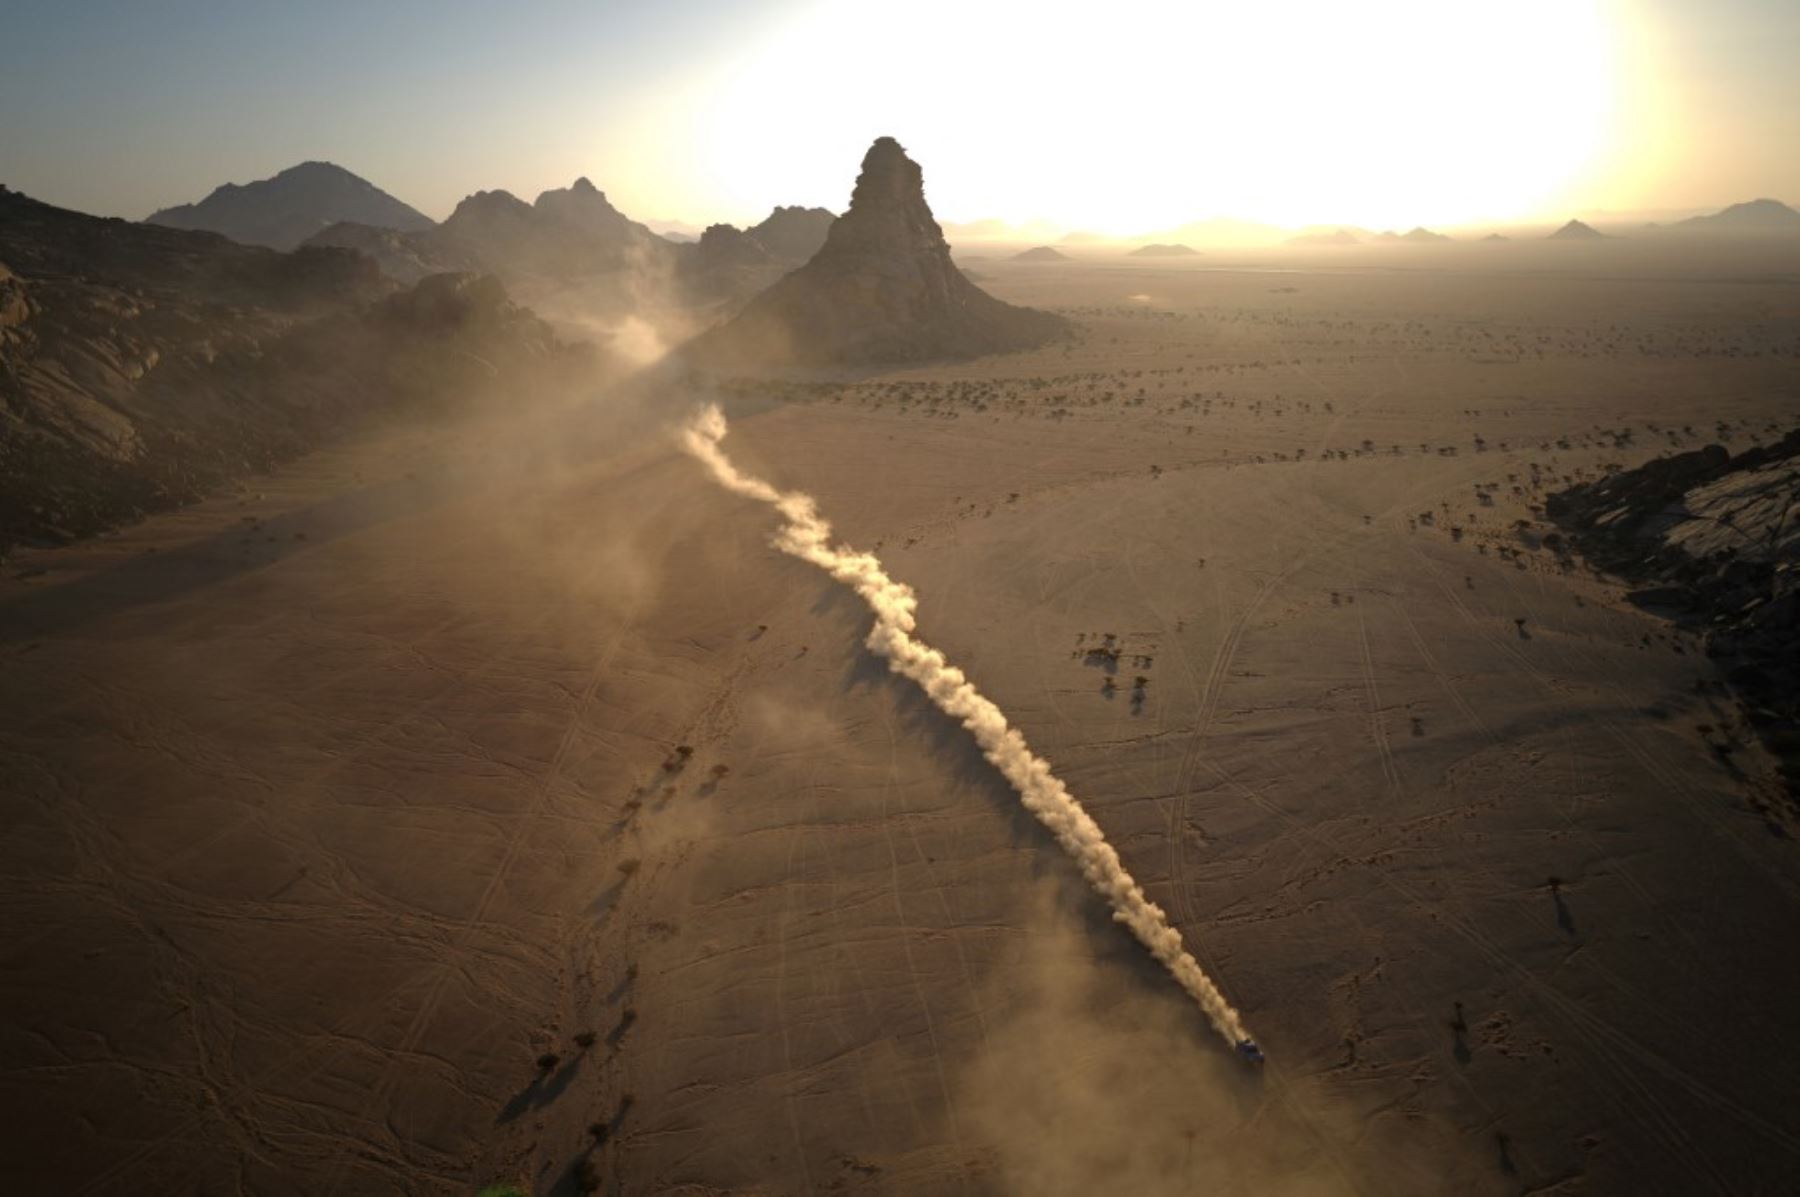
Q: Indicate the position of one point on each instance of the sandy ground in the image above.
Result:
(331, 806)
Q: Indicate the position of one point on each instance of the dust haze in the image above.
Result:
(1233, 708)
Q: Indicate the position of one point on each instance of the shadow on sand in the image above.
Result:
(153, 578)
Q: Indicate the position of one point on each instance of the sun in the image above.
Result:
(1135, 115)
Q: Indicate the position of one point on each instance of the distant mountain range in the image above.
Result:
(571, 230)
(1759, 216)
(1762, 217)
(575, 232)
(568, 232)
(284, 211)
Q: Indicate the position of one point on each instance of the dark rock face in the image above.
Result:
(1711, 540)
(881, 289)
(283, 211)
(141, 366)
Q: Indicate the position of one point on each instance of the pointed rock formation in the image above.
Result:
(283, 211)
(881, 289)
(1575, 230)
(1042, 253)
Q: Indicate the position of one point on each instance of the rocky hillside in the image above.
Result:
(284, 211)
(793, 234)
(141, 366)
(1714, 541)
(567, 233)
(881, 289)
(729, 265)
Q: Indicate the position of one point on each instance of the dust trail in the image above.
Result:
(807, 535)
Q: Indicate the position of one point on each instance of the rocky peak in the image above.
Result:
(486, 205)
(888, 214)
(286, 209)
(726, 245)
(882, 289)
(584, 208)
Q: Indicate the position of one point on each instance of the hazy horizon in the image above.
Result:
(1389, 114)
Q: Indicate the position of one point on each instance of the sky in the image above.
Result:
(1121, 117)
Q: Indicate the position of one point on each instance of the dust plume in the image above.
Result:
(1085, 1085)
(807, 535)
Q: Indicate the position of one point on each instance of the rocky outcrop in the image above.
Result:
(141, 366)
(723, 246)
(881, 289)
(283, 211)
(728, 266)
(1041, 253)
(1713, 540)
(569, 233)
(793, 235)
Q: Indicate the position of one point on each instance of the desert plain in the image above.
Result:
(485, 799)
